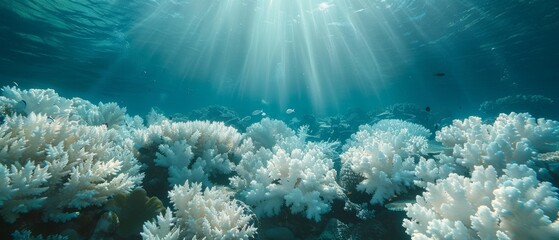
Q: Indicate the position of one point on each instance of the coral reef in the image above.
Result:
(512, 138)
(201, 214)
(383, 155)
(537, 105)
(486, 206)
(219, 114)
(58, 166)
(268, 132)
(195, 151)
(49, 103)
(294, 173)
(81, 165)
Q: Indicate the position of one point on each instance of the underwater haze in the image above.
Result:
(279, 119)
(317, 57)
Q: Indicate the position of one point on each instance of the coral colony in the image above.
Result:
(66, 163)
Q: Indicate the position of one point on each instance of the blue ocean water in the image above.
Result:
(248, 55)
(437, 60)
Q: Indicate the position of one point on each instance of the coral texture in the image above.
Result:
(194, 151)
(207, 214)
(293, 174)
(512, 138)
(268, 132)
(383, 154)
(49, 103)
(486, 206)
(58, 166)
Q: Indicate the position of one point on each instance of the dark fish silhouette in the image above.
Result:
(20, 106)
(428, 109)
(439, 74)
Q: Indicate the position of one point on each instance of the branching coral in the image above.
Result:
(192, 151)
(512, 138)
(383, 155)
(513, 206)
(207, 214)
(48, 102)
(268, 132)
(59, 166)
(164, 227)
(303, 180)
(293, 174)
(109, 114)
(45, 101)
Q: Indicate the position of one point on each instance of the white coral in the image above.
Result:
(512, 138)
(45, 101)
(108, 114)
(196, 150)
(268, 133)
(162, 228)
(48, 102)
(384, 156)
(429, 170)
(56, 165)
(302, 179)
(207, 214)
(486, 206)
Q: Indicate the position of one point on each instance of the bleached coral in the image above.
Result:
(407, 138)
(48, 102)
(293, 174)
(268, 132)
(162, 228)
(45, 101)
(512, 138)
(513, 206)
(194, 151)
(384, 156)
(207, 214)
(430, 170)
(56, 165)
(396, 125)
(109, 114)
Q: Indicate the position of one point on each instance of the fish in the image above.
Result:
(263, 101)
(257, 112)
(295, 121)
(20, 106)
(439, 74)
(385, 113)
(290, 111)
(399, 205)
(427, 109)
(434, 148)
(247, 118)
(297, 182)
